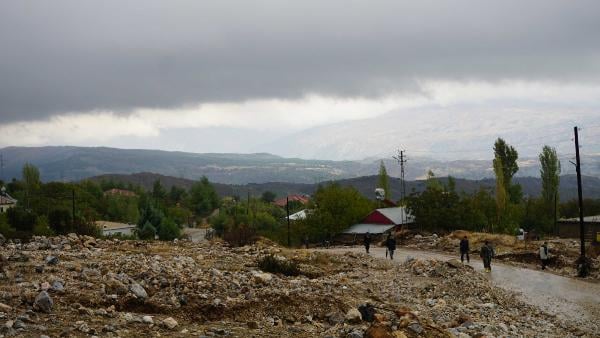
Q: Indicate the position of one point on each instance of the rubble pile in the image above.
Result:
(80, 286)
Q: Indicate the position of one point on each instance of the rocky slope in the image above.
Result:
(79, 286)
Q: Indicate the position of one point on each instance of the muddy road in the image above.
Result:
(567, 298)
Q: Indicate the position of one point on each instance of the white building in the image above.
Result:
(114, 228)
(6, 201)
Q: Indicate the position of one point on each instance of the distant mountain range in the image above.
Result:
(76, 163)
(366, 185)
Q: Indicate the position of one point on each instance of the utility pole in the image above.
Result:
(582, 261)
(555, 210)
(287, 208)
(401, 158)
(73, 204)
(2, 168)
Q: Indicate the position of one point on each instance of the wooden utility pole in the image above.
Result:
(73, 204)
(287, 207)
(402, 160)
(582, 261)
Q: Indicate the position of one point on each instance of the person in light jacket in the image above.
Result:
(544, 255)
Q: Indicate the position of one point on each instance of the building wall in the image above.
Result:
(122, 231)
(571, 229)
(5, 207)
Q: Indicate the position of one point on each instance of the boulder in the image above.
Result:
(353, 316)
(43, 302)
(138, 291)
(170, 323)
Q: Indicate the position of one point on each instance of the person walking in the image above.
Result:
(464, 249)
(544, 255)
(367, 242)
(487, 253)
(390, 243)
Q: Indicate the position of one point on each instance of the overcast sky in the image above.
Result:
(232, 76)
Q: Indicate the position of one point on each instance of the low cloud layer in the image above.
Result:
(78, 57)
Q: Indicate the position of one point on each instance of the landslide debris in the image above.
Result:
(112, 288)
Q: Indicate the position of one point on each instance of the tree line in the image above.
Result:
(503, 209)
(59, 208)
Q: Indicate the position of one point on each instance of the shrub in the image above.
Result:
(239, 235)
(272, 264)
(5, 229)
(147, 231)
(168, 230)
(88, 229)
(41, 227)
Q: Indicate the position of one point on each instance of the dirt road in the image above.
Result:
(567, 298)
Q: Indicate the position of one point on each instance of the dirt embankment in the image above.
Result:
(562, 252)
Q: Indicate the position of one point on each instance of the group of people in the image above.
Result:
(486, 252)
(390, 244)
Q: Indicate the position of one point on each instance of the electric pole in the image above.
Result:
(287, 208)
(582, 261)
(401, 158)
(73, 205)
(1, 167)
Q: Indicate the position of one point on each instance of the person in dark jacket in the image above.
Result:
(367, 242)
(487, 253)
(390, 243)
(464, 249)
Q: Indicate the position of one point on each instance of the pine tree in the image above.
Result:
(384, 181)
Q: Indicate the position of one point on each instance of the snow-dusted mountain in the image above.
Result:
(465, 135)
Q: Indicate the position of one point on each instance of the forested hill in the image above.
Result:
(365, 184)
(67, 163)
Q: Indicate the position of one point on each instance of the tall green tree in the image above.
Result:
(203, 197)
(501, 192)
(550, 173)
(384, 180)
(505, 158)
(336, 209)
(31, 177)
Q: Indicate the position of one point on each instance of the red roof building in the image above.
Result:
(303, 199)
(119, 192)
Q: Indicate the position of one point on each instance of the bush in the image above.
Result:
(21, 219)
(5, 229)
(272, 264)
(41, 227)
(240, 235)
(168, 230)
(147, 231)
(88, 229)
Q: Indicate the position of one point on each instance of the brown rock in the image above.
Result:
(378, 330)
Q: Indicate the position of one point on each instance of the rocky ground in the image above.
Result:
(74, 286)
(563, 252)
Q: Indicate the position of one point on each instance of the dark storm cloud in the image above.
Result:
(74, 56)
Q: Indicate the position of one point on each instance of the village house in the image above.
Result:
(6, 201)
(119, 192)
(378, 223)
(302, 199)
